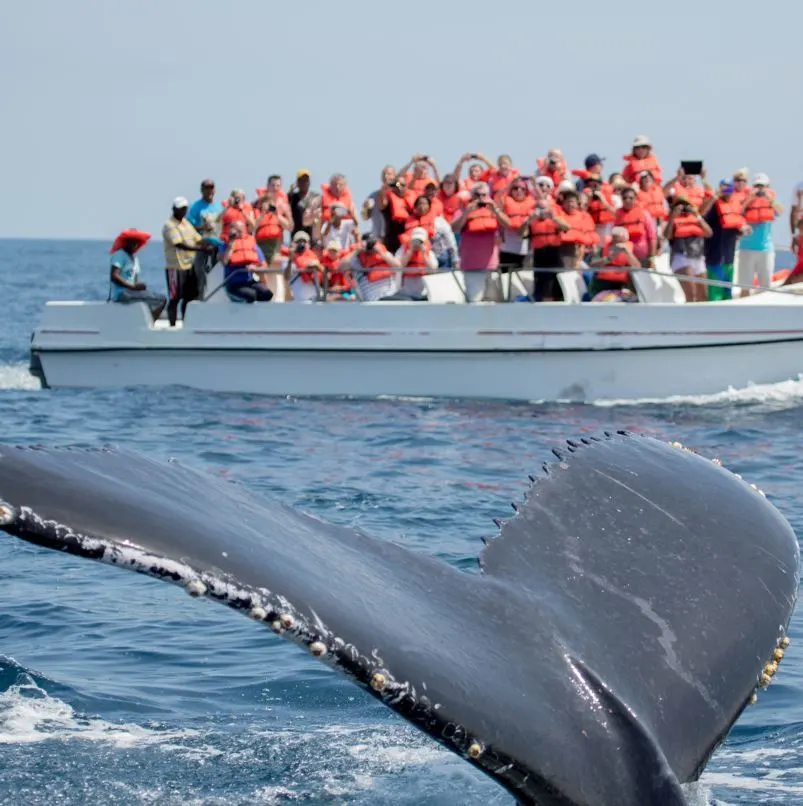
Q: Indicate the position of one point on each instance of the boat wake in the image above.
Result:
(17, 376)
(785, 393)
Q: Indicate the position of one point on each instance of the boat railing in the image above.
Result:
(322, 287)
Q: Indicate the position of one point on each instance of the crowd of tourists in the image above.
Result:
(483, 217)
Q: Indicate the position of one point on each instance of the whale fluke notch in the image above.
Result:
(622, 621)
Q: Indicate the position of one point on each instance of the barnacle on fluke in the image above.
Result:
(572, 670)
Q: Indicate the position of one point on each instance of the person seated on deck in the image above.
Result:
(125, 285)
(241, 258)
(337, 280)
(417, 259)
(617, 257)
(371, 264)
(303, 270)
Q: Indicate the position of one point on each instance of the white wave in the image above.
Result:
(28, 714)
(785, 392)
(17, 376)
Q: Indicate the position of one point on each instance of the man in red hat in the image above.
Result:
(125, 285)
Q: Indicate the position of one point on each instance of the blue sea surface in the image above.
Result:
(117, 689)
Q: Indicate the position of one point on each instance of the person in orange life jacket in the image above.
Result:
(452, 199)
(688, 186)
(340, 228)
(581, 234)
(479, 225)
(435, 204)
(724, 216)
(241, 258)
(372, 265)
(271, 220)
(424, 170)
(417, 258)
(641, 158)
(475, 170)
(303, 271)
(440, 233)
(554, 166)
(651, 197)
(544, 228)
(273, 188)
(518, 205)
(337, 279)
(501, 177)
(593, 165)
(600, 204)
(757, 249)
(617, 256)
(320, 209)
(237, 209)
(396, 204)
(640, 225)
(686, 231)
(370, 209)
(741, 187)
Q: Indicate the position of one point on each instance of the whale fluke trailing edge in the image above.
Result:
(622, 620)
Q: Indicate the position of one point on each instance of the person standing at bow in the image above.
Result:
(181, 243)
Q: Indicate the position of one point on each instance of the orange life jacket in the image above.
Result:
(596, 209)
(619, 260)
(740, 196)
(344, 200)
(418, 185)
(302, 264)
(760, 210)
(730, 214)
(518, 211)
(243, 252)
(498, 182)
(635, 166)
(436, 206)
(696, 194)
(544, 232)
(336, 277)
(374, 260)
(269, 228)
(687, 226)
(418, 262)
(653, 202)
(557, 175)
(481, 220)
(399, 206)
(452, 205)
(231, 215)
(633, 220)
(581, 229)
(426, 221)
(279, 195)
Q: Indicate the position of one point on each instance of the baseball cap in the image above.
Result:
(180, 202)
(419, 234)
(761, 179)
(594, 159)
(301, 236)
(302, 172)
(641, 140)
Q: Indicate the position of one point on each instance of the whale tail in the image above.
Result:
(622, 621)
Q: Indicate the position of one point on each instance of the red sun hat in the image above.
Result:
(130, 235)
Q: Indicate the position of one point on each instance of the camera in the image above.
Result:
(370, 244)
(761, 193)
(271, 208)
(687, 209)
(482, 204)
(300, 247)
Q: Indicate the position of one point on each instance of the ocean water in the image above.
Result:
(118, 689)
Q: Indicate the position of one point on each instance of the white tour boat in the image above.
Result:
(568, 351)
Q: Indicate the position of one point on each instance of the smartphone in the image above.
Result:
(692, 167)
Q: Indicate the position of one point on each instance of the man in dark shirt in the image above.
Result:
(300, 198)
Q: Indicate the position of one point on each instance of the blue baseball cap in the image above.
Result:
(726, 185)
(594, 159)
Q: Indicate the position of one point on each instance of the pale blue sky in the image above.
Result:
(111, 108)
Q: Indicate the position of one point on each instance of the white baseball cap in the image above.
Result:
(641, 140)
(180, 202)
(419, 234)
(761, 179)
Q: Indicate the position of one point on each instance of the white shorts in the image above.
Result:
(695, 264)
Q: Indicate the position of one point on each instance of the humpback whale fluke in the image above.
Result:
(624, 616)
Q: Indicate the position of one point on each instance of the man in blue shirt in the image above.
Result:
(205, 215)
(124, 283)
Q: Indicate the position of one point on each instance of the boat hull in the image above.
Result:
(504, 352)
